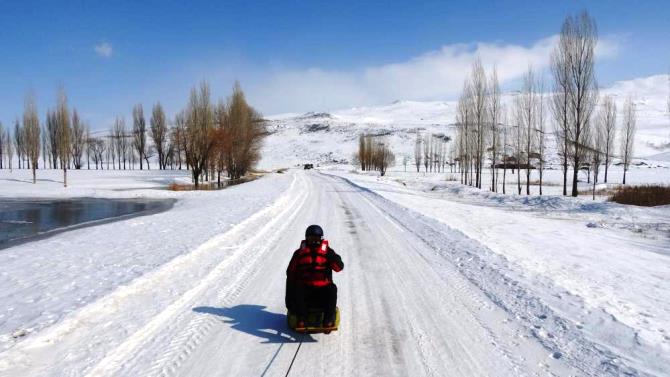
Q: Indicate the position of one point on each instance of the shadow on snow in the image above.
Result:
(255, 320)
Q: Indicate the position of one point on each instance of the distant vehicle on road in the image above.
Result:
(309, 166)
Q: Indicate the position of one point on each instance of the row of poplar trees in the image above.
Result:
(374, 153)
(585, 125)
(60, 143)
(206, 138)
(223, 137)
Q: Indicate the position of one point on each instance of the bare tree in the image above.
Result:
(628, 135)
(519, 138)
(159, 134)
(19, 142)
(64, 133)
(120, 141)
(435, 153)
(528, 100)
(131, 153)
(465, 140)
(87, 132)
(140, 133)
(98, 147)
(221, 141)
(426, 152)
(199, 126)
(541, 134)
(127, 152)
(580, 36)
(375, 152)
(361, 152)
(607, 119)
(245, 131)
(383, 157)
(45, 147)
(31, 125)
(111, 147)
(180, 140)
(78, 139)
(9, 149)
(560, 105)
(479, 102)
(505, 151)
(494, 118)
(417, 151)
(598, 141)
(52, 138)
(111, 156)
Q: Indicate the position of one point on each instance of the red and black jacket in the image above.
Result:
(313, 266)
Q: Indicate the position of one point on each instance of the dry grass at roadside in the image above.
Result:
(645, 195)
(211, 186)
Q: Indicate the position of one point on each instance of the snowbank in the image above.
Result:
(601, 265)
(42, 281)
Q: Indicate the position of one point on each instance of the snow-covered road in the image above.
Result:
(404, 312)
(416, 298)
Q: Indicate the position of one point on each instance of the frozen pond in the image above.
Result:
(23, 220)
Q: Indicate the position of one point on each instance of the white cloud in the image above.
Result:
(434, 75)
(104, 49)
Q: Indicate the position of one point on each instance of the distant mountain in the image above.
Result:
(331, 137)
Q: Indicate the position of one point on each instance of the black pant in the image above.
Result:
(299, 298)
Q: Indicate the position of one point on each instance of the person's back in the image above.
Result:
(309, 277)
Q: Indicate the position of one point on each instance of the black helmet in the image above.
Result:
(314, 230)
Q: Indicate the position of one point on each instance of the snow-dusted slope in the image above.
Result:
(331, 136)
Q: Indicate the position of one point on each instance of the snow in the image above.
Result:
(45, 280)
(602, 266)
(435, 274)
(218, 308)
(297, 139)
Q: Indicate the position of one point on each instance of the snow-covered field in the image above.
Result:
(439, 279)
(44, 281)
(600, 266)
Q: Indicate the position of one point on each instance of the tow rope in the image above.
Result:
(295, 355)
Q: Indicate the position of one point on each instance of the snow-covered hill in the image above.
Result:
(325, 137)
(332, 137)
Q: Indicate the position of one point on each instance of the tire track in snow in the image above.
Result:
(233, 274)
(428, 346)
(467, 256)
(82, 339)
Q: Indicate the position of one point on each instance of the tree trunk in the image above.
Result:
(504, 177)
(624, 175)
(565, 177)
(574, 176)
(575, 160)
(595, 179)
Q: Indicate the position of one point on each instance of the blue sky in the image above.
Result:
(297, 56)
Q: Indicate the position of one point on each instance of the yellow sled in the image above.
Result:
(314, 322)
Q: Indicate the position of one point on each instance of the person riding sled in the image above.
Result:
(309, 278)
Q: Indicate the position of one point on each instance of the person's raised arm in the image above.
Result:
(334, 260)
